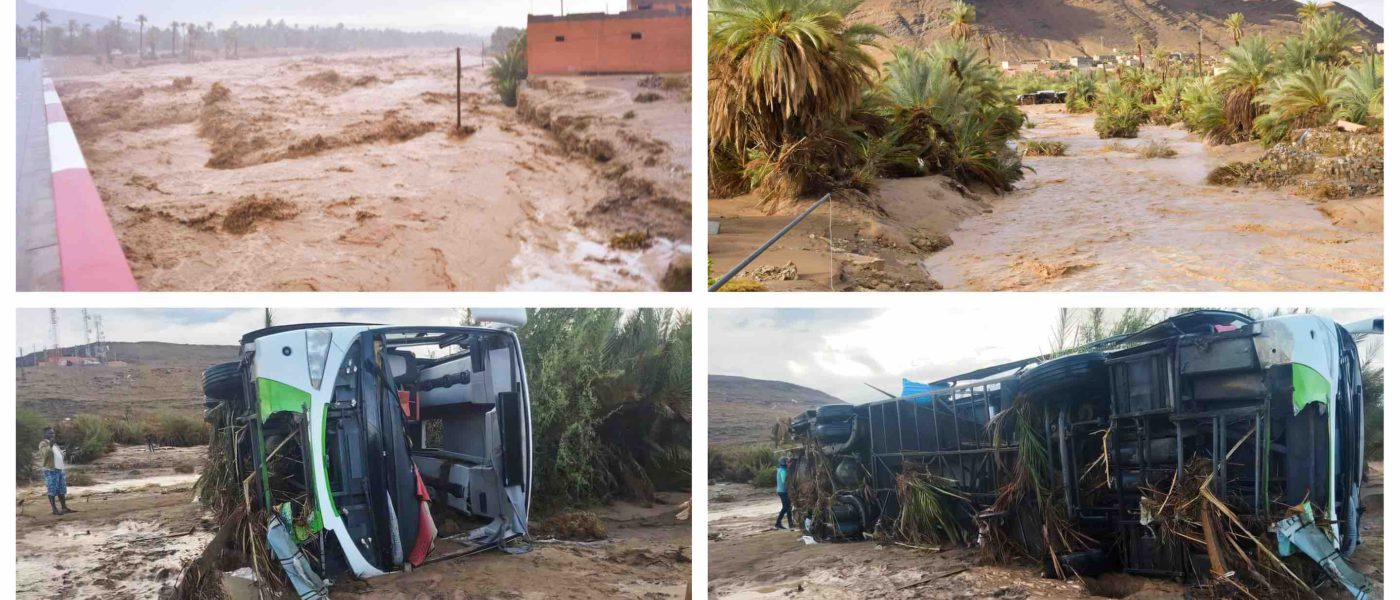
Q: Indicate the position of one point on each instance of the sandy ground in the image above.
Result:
(856, 242)
(343, 172)
(1101, 218)
(133, 530)
(646, 557)
(750, 560)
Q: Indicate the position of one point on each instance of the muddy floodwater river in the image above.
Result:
(1103, 218)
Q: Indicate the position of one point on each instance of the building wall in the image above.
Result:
(598, 43)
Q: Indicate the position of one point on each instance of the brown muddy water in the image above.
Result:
(1102, 218)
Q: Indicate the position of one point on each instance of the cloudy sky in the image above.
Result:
(837, 351)
(201, 326)
(448, 15)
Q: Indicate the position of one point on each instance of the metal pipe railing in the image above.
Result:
(719, 283)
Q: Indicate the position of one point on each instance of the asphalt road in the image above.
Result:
(36, 250)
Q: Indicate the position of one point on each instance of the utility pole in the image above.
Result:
(53, 330)
(1200, 58)
(101, 338)
(87, 329)
(459, 88)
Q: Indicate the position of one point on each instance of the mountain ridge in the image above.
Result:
(1036, 29)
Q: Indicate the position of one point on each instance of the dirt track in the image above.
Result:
(343, 172)
(750, 560)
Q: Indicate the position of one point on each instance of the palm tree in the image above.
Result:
(43, 19)
(1360, 96)
(1309, 11)
(141, 34)
(1140, 40)
(174, 35)
(72, 31)
(1331, 37)
(1247, 68)
(1235, 23)
(781, 71)
(1303, 99)
(960, 17)
(117, 31)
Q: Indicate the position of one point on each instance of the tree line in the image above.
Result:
(151, 40)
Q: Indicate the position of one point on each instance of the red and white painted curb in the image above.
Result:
(90, 258)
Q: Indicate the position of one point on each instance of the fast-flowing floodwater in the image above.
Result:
(1101, 218)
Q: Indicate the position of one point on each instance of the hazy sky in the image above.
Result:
(447, 15)
(202, 326)
(1373, 9)
(837, 351)
(452, 15)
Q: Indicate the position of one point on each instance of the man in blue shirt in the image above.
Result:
(783, 495)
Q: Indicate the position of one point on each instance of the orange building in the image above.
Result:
(649, 37)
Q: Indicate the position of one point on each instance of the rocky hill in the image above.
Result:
(156, 377)
(744, 410)
(1034, 29)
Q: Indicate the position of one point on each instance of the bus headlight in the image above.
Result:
(318, 348)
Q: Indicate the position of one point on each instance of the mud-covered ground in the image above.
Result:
(1103, 218)
(645, 557)
(346, 172)
(134, 528)
(751, 560)
(1099, 218)
(137, 525)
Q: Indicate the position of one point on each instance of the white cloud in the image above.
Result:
(839, 351)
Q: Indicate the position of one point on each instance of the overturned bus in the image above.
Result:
(350, 438)
(1211, 447)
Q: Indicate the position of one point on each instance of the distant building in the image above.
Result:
(1081, 62)
(651, 36)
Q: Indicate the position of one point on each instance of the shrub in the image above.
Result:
(508, 70)
(645, 97)
(1042, 148)
(1227, 174)
(29, 431)
(128, 431)
(85, 438)
(1156, 149)
(741, 463)
(766, 477)
(179, 430)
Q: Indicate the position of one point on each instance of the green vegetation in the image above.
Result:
(508, 69)
(86, 437)
(29, 430)
(1042, 148)
(1156, 149)
(798, 106)
(610, 396)
(755, 464)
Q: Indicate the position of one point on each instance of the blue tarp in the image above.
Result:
(914, 387)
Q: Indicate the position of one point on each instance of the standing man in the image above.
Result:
(150, 442)
(55, 476)
(783, 495)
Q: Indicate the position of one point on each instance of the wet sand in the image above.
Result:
(1103, 219)
(138, 525)
(856, 242)
(342, 172)
(133, 530)
(646, 557)
(749, 560)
